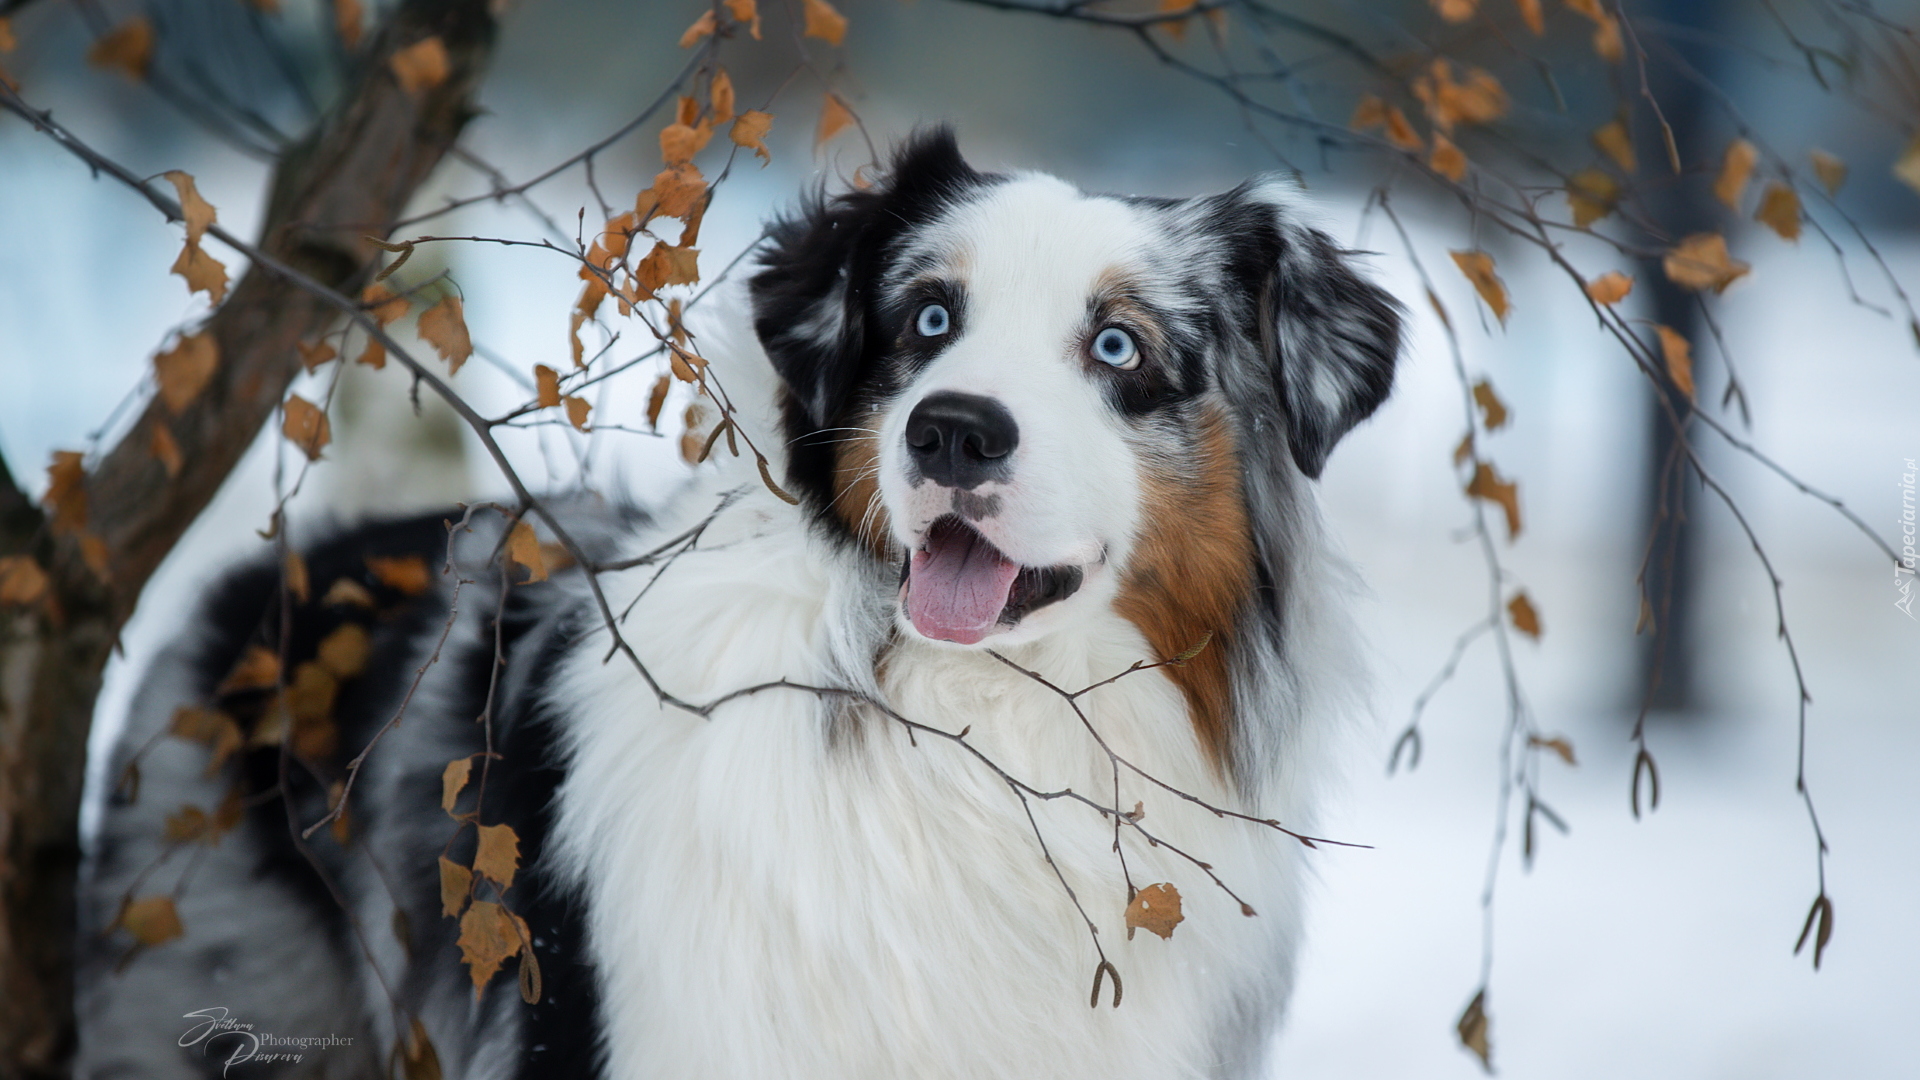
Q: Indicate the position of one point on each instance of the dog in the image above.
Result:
(1017, 673)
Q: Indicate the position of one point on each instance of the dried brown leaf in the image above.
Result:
(614, 240)
(720, 97)
(683, 266)
(679, 142)
(1455, 11)
(1478, 267)
(498, 856)
(523, 547)
(1907, 169)
(1155, 908)
(382, 303)
(1607, 43)
(306, 426)
(1493, 411)
(1780, 211)
(657, 399)
(312, 356)
(1679, 356)
(825, 23)
(1531, 14)
(453, 780)
(1368, 113)
(152, 920)
(1463, 452)
(1486, 484)
(22, 581)
(1525, 618)
(347, 21)
(1701, 262)
(834, 118)
(165, 448)
(346, 592)
(750, 131)
(1473, 1030)
(675, 193)
(346, 650)
(456, 885)
(373, 356)
(1591, 195)
(203, 272)
(422, 65)
(257, 669)
(1447, 160)
(184, 370)
(701, 28)
(1400, 130)
(405, 574)
(1736, 166)
(487, 937)
(194, 724)
(577, 410)
(1830, 169)
(66, 495)
(1558, 744)
(8, 42)
(309, 699)
(1612, 140)
(444, 326)
(748, 12)
(590, 297)
(546, 382)
(93, 552)
(1476, 98)
(196, 211)
(1610, 287)
(187, 824)
(127, 48)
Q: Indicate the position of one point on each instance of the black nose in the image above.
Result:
(961, 440)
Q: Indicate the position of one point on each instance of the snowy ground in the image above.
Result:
(1660, 948)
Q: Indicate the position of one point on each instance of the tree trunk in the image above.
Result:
(358, 167)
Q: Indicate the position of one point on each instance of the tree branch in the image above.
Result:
(362, 162)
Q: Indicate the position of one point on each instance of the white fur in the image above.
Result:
(796, 886)
(777, 891)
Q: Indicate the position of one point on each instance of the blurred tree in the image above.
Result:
(360, 161)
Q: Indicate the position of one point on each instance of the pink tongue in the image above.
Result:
(957, 587)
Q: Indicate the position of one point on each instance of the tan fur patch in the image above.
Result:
(1190, 575)
(856, 491)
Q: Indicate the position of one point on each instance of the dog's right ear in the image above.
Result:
(812, 299)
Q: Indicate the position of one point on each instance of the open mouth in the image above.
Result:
(958, 587)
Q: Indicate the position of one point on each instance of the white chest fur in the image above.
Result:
(773, 895)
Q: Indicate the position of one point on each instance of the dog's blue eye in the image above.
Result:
(933, 321)
(1115, 346)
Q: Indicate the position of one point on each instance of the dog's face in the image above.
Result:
(1044, 403)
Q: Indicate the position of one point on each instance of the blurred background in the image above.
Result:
(1653, 948)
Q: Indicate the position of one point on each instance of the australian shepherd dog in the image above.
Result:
(1025, 698)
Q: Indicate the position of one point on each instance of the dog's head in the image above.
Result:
(1044, 402)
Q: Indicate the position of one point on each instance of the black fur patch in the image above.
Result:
(561, 1034)
(246, 610)
(1320, 323)
(817, 307)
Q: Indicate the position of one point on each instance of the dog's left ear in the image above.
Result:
(1330, 335)
(810, 303)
